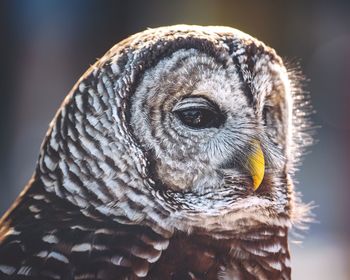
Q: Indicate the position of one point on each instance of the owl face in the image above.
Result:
(194, 118)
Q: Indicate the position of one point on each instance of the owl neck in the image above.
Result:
(260, 254)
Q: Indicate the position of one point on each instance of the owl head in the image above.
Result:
(181, 128)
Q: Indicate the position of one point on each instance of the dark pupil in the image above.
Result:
(199, 118)
(193, 117)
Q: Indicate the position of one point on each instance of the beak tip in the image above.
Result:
(257, 180)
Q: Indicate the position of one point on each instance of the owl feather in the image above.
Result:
(172, 157)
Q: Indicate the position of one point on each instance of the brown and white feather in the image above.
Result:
(123, 190)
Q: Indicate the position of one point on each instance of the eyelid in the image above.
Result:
(195, 102)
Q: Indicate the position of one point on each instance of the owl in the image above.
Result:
(172, 157)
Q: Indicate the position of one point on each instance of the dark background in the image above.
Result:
(46, 46)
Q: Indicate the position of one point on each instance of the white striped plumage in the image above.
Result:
(127, 175)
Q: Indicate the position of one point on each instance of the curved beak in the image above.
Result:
(256, 164)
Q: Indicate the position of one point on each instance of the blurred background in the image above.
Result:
(47, 45)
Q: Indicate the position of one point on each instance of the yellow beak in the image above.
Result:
(256, 164)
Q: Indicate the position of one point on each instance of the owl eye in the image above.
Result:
(198, 113)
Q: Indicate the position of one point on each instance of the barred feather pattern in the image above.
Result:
(111, 198)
